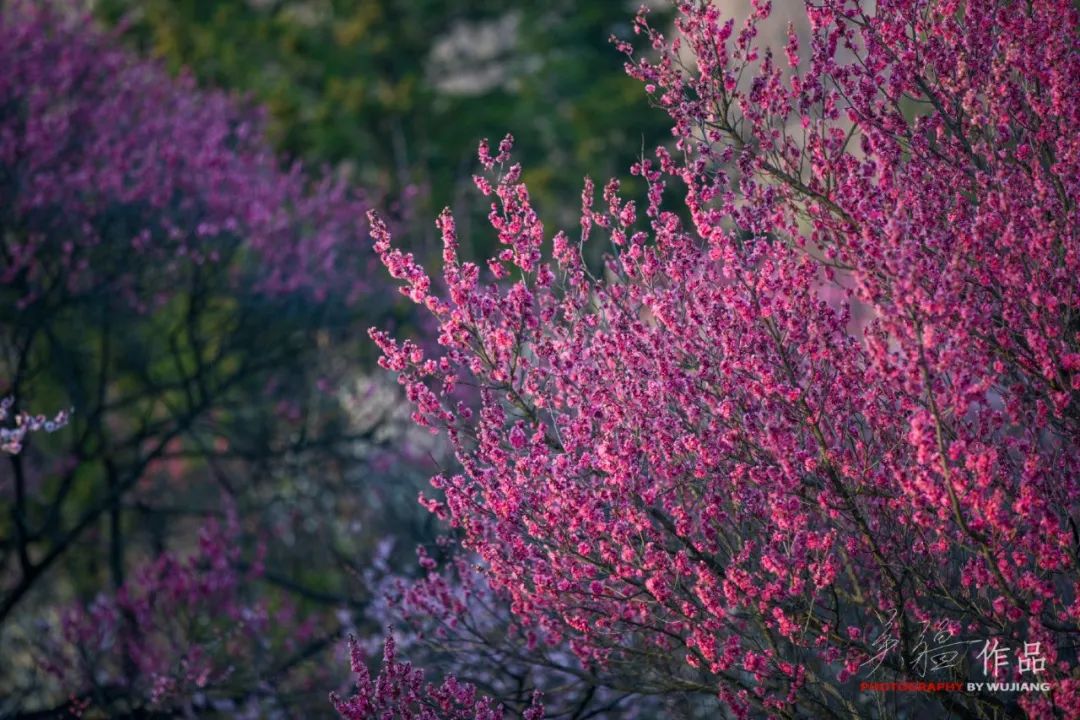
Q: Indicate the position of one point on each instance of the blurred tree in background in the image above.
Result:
(162, 271)
(402, 90)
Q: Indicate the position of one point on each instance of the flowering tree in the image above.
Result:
(696, 468)
(180, 634)
(163, 273)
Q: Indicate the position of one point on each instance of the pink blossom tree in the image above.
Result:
(694, 467)
(165, 274)
(181, 634)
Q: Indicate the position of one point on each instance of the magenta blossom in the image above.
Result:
(696, 469)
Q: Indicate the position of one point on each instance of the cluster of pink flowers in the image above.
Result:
(400, 693)
(695, 456)
(19, 424)
(182, 631)
(451, 620)
(113, 172)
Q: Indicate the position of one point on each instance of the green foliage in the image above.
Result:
(402, 90)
